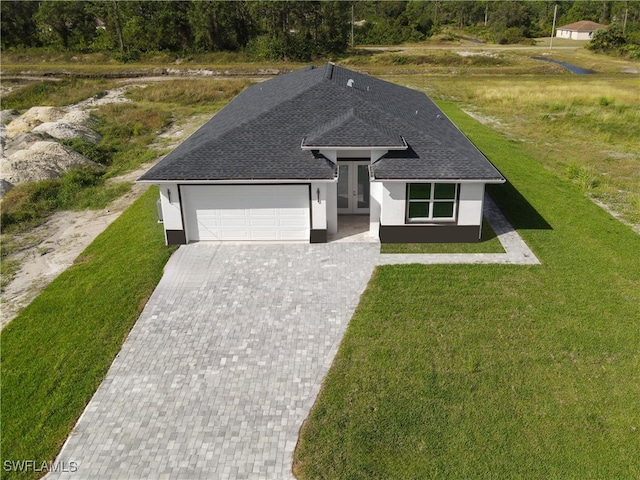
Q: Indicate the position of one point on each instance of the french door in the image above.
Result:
(353, 187)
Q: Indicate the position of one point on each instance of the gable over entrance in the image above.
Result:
(334, 140)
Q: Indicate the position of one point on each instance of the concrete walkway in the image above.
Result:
(223, 365)
(516, 251)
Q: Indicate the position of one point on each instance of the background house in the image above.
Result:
(583, 30)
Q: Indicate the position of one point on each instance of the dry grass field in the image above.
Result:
(582, 127)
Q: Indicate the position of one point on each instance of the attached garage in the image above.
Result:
(246, 212)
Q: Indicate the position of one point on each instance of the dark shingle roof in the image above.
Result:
(353, 129)
(259, 134)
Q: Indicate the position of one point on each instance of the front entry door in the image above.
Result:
(353, 187)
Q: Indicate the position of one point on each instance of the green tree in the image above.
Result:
(70, 25)
(220, 25)
(606, 40)
(18, 25)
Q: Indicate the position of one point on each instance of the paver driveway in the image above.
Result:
(223, 365)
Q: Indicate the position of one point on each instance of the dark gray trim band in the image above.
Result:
(176, 237)
(429, 234)
(318, 236)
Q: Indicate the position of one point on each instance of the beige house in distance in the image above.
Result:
(579, 30)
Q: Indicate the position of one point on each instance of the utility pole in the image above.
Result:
(553, 28)
(624, 24)
(352, 20)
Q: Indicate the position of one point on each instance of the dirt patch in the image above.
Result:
(66, 235)
(42, 160)
(54, 246)
(25, 158)
(484, 119)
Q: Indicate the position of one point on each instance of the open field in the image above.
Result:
(493, 371)
(537, 102)
(583, 127)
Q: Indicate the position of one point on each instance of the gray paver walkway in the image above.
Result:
(516, 251)
(223, 365)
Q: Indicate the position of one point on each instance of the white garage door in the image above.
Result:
(245, 212)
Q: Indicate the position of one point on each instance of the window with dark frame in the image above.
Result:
(431, 202)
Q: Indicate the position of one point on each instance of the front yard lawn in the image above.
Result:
(493, 371)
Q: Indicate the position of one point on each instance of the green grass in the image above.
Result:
(489, 243)
(30, 203)
(54, 93)
(57, 351)
(493, 371)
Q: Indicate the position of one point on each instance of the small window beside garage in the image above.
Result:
(159, 207)
(431, 202)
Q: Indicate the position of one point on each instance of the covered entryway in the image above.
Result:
(246, 212)
(353, 187)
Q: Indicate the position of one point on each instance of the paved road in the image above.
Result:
(223, 365)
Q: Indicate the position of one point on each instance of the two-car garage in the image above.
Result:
(246, 212)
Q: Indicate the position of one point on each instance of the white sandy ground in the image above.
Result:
(62, 238)
(65, 235)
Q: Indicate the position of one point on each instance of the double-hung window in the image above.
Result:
(432, 202)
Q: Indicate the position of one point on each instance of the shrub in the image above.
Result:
(72, 183)
(605, 40)
(605, 102)
(582, 176)
(265, 47)
(101, 154)
(28, 204)
(31, 203)
(510, 36)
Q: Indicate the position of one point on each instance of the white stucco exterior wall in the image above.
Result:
(375, 207)
(574, 35)
(319, 206)
(470, 203)
(393, 203)
(332, 207)
(171, 208)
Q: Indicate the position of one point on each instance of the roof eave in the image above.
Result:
(234, 180)
(440, 179)
(402, 146)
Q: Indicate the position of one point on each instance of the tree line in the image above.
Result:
(277, 30)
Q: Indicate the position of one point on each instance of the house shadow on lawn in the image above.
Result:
(516, 208)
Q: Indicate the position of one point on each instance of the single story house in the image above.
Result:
(288, 155)
(579, 30)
